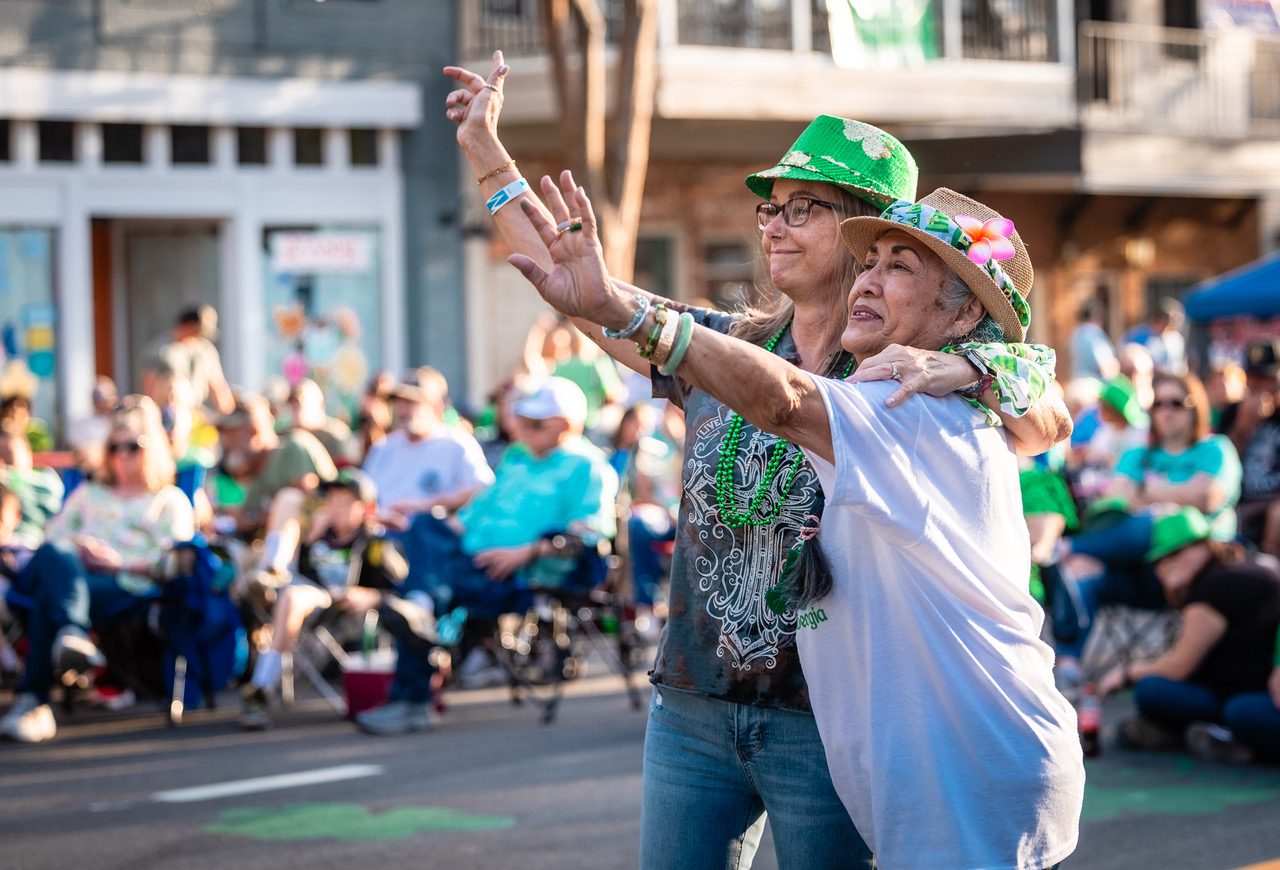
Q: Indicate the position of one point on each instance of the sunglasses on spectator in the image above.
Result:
(124, 446)
(794, 213)
(535, 424)
(1184, 402)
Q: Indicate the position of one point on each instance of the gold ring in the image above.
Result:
(491, 87)
(893, 372)
(563, 225)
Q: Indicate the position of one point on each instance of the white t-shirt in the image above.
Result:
(933, 693)
(441, 464)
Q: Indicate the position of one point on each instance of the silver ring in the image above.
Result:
(563, 225)
(893, 372)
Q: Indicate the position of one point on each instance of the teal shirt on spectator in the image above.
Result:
(572, 488)
(1215, 456)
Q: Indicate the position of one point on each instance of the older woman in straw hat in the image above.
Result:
(731, 734)
(927, 676)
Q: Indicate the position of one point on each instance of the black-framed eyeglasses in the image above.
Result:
(123, 446)
(1184, 402)
(795, 212)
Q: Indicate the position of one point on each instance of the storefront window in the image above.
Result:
(323, 292)
(28, 324)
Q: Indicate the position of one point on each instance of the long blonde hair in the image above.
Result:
(140, 415)
(758, 324)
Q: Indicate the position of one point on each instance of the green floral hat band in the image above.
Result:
(945, 228)
(862, 159)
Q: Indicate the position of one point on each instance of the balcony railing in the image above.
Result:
(1172, 80)
(1010, 30)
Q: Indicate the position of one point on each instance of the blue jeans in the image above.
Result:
(713, 769)
(1251, 716)
(1255, 719)
(438, 566)
(1127, 578)
(412, 680)
(63, 593)
(1176, 703)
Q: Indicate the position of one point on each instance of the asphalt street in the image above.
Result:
(490, 787)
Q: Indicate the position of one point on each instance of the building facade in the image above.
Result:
(1139, 157)
(268, 157)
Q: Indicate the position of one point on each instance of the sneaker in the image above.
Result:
(1145, 735)
(254, 716)
(73, 651)
(28, 721)
(1209, 742)
(397, 717)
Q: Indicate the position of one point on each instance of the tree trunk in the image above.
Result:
(615, 181)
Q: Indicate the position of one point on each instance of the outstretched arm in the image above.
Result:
(475, 107)
(771, 394)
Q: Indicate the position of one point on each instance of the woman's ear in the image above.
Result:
(969, 315)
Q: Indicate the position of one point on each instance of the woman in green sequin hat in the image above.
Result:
(930, 686)
(726, 656)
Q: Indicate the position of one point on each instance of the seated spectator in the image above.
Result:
(653, 484)
(39, 490)
(281, 472)
(1258, 418)
(15, 414)
(307, 411)
(424, 464)
(1183, 465)
(14, 594)
(374, 419)
(104, 553)
(553, 493)
(1212, 686)
(346, 561)
(1123, 426)
(1226, 385)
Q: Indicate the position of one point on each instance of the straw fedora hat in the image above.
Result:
(1001, 281)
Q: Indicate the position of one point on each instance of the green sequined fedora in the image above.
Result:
(862, 159)
(1182, 528)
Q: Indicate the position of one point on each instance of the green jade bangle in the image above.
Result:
(681, 346)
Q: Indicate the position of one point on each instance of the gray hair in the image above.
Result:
(955, 293)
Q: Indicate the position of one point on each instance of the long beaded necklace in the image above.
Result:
(729, 454)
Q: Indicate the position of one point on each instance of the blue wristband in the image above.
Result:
(630, 329)
(504, 196)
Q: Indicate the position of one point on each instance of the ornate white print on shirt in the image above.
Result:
(749, 632)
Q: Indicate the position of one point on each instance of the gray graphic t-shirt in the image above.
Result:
(721, 638)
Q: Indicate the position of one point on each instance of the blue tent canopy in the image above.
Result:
(1253, 290)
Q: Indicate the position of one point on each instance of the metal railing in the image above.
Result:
(1173, 80)
(1025, 30)
(1012, 30)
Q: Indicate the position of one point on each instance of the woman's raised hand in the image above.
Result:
(475, 106)
(578, 285)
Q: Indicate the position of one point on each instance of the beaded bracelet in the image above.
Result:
(510, 164)
(976, 390)
(630, 329)
(666, 341)
(508, 193)
(681, 347)
(659, 320)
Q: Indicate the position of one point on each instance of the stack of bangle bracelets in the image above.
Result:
(668, 339)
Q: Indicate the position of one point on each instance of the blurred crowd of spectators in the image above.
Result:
(1166, 497)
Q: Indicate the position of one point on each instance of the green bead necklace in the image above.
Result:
(729, 454)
